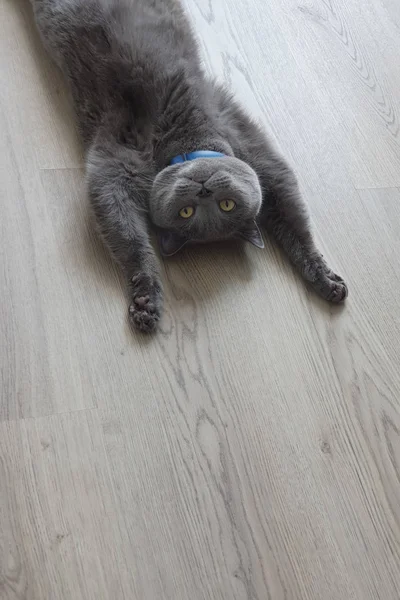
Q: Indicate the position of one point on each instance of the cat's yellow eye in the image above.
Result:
(186, 212)
(227, 205)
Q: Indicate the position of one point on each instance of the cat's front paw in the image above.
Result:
(331, 286)
(145, 310)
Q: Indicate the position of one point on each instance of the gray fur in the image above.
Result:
(141, 98)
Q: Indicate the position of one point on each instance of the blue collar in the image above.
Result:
(198, 154)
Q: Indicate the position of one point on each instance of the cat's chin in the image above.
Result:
(171, 242)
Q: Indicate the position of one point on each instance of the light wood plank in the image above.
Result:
(41, 121)
(24, 356)
(44, 359)
(59, 532)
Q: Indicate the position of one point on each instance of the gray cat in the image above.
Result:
(165, 144)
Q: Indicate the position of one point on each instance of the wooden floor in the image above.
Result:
(251, 450)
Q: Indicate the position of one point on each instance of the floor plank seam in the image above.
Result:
(50, 415)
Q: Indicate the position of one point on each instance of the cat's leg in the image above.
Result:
(117, 202)
(285, 216)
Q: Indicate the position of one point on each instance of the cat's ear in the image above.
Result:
(253, 235)
(170, 243)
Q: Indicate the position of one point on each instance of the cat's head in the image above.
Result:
(205, 200)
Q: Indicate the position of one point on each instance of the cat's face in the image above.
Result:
(204, 200)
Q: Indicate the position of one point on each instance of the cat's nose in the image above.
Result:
(204, 192)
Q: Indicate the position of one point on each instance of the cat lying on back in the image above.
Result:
(166, 144)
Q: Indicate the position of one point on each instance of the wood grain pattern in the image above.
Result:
(42, 123)
(60, 535)
(334, 62)
(251, 449)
